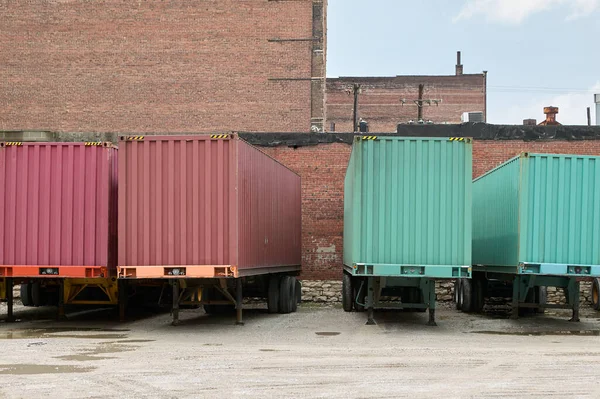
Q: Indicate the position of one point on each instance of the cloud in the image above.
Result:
(572, 108)
(516, 11)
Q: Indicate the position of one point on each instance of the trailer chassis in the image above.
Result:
(528, 287)
(367, 284)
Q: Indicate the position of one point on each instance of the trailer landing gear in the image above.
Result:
(10, 318)
(238, 302)
(418, 294)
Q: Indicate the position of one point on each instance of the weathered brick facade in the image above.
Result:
(380, 101)
(323, 168)
(162, 66)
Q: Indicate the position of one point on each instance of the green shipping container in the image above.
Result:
(407, 207)
(539, 214)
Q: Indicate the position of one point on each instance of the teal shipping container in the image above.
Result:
(407, 207)
(539, 214)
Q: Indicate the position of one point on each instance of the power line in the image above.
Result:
(529, 89)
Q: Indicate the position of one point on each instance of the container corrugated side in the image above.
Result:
(270, 211)
(194, 203)
(57, 208)
(539, 209)
(408, 202)
(560, 209)
(496, 215)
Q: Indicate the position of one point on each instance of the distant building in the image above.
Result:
(163, 66)
(387, 101)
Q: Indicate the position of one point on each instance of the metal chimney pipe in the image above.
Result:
(459, 66)
(597, 101)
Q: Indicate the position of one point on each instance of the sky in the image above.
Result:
(537, 52)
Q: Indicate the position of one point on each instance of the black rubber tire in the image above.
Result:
(419, 299)
(467, 295)
(530, 298)
(347, 293)
(26, 294)
(458, 294)
(37, 294)
(273, 294)
(596, 294)
(294, 297)
(286, 294)
(413, 295)
(478, 296)
(356, 283)
(541, 297)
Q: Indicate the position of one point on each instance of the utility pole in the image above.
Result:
(355, 91)
(420, 103)
(589, 115)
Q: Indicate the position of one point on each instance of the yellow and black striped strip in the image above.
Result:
(134, 138)
(369, 137)
(90, 143)
(219, 136)
(13, 143)
(456, 139)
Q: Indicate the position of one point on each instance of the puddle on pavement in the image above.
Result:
(64, 332)
(273, 350)
(327, 333)
(91, 354)
(22, 369)
(594, 333)
(132, 341)
(83, 358)
(110, 348)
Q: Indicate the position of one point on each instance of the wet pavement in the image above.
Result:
(318, 352)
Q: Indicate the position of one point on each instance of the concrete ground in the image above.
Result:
(318, 352)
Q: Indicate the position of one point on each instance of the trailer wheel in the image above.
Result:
(596, 293)
(286, 294)
(26, 294)
(356, 286)
(347, 293)
(467, 295)
(273, 294)
(478, 296)
(458, 294)
(541, 297)
(36, 294)
(294, 298)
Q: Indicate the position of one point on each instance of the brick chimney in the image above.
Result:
(550, 116)
(459, 66)
(529, 122)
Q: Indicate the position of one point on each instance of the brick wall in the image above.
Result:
(161, 66)
(323, 168)
(379, 102)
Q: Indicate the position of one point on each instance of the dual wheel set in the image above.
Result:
(34, 294)
(354, 293)
(284, 294)
(470, 294)
(596, 294)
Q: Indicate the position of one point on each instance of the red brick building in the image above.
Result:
(384, 102)
(162, 66)
(322, 159)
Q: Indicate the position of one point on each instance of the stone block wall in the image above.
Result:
(330, 291)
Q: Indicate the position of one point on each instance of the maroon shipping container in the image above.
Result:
(205, 206)
(58, 204)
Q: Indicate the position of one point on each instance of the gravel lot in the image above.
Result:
(318, 352)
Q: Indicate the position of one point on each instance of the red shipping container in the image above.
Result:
(58, 210)
(205, 206)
